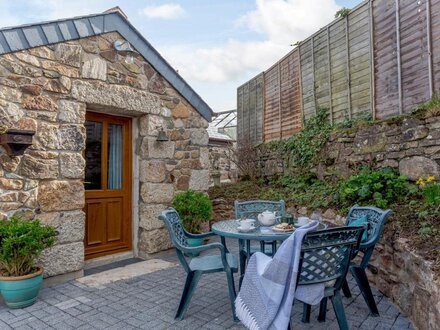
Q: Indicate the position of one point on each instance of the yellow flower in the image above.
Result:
(430, 178)
(420, 182)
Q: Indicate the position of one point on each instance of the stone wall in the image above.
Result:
(408, 279)
(48, 90)
(409, 144)
(221, 164)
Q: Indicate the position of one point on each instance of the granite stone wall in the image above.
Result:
(48, 90)
(409, 144)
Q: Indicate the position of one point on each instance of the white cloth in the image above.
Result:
(268, 289)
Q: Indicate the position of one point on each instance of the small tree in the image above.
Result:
(245, 156)
(194, 208)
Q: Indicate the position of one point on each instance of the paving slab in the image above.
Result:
(148, 299)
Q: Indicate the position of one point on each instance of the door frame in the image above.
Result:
(127, 170)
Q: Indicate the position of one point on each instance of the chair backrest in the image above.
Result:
(376, 220)
(326, 255)
(251, 209)
(177, 233)
(175, 229)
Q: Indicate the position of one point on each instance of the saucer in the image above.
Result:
(240, 229)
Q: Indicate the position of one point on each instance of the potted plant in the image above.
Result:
(21, 243)
(194, 208)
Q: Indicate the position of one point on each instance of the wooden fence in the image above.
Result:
(382, 59)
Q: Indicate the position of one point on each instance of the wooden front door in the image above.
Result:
(107, 185)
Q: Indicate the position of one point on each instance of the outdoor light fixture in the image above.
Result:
(16, 142)
(162, 136)
(124, 47)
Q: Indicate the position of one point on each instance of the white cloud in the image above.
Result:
(165, 11)
(280, 22)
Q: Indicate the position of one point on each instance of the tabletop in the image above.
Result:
(229, 228)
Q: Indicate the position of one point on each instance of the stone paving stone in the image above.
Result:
(150, 302)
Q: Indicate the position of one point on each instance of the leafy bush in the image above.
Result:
(193, 208)
(21, 243)
(430, 189)
(302, 149)
(379, 187)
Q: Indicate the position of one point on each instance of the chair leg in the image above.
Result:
(339, 311)
(306, 313)
(232, 292)
(242, 256)
(346, 289)
(190, 285)
(322, 310)
(362, 281)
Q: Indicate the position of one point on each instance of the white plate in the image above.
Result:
(245, 230)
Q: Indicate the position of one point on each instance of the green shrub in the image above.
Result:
(193, 208)
(430, 189)
(21, 243)
(301, 150)
(379, 187)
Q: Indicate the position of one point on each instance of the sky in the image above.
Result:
(216, 45)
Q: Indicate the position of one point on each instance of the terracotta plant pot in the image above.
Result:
(21, 291)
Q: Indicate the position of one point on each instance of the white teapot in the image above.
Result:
(267, 218)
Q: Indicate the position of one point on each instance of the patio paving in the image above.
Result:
(149, 302)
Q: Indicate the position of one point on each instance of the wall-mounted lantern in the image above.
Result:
(16, 141)
(162, 136)
(124, 47)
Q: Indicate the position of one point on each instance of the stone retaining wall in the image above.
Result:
(409, 144)
(48, 90)
(408, 280)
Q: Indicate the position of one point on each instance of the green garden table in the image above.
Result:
(229, 228)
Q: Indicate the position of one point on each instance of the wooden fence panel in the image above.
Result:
(339, 72)
(250, 111)
(272, 120)
(435, 42)
(414, 53)
(321, 56)
(240, 128)
(290, 95)
(385, 59)
(259, 80)
(360, 61)
(307, 79)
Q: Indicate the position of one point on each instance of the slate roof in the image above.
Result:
(17, 38)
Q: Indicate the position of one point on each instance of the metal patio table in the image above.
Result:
(229, 228)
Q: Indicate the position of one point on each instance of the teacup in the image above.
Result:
(247, 224)
(303, 221)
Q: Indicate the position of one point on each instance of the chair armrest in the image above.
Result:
(204, 235)
(210, 246)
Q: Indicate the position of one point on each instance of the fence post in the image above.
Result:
(313, 70)
(329, 76)
(279, 99)
(429, 42)
(372, 79)
(347, 41)
(399, 64)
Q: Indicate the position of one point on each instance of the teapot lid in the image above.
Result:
(267, 211)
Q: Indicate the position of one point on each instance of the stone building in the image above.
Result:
(117, 133)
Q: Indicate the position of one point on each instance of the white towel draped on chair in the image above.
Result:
(268, 289)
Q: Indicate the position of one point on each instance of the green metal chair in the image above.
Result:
(251, 209)
(376, 219)
(197, 266)
(325, 258)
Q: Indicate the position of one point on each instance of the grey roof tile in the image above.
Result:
(33, 35)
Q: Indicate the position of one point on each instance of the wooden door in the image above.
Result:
(107, 185)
